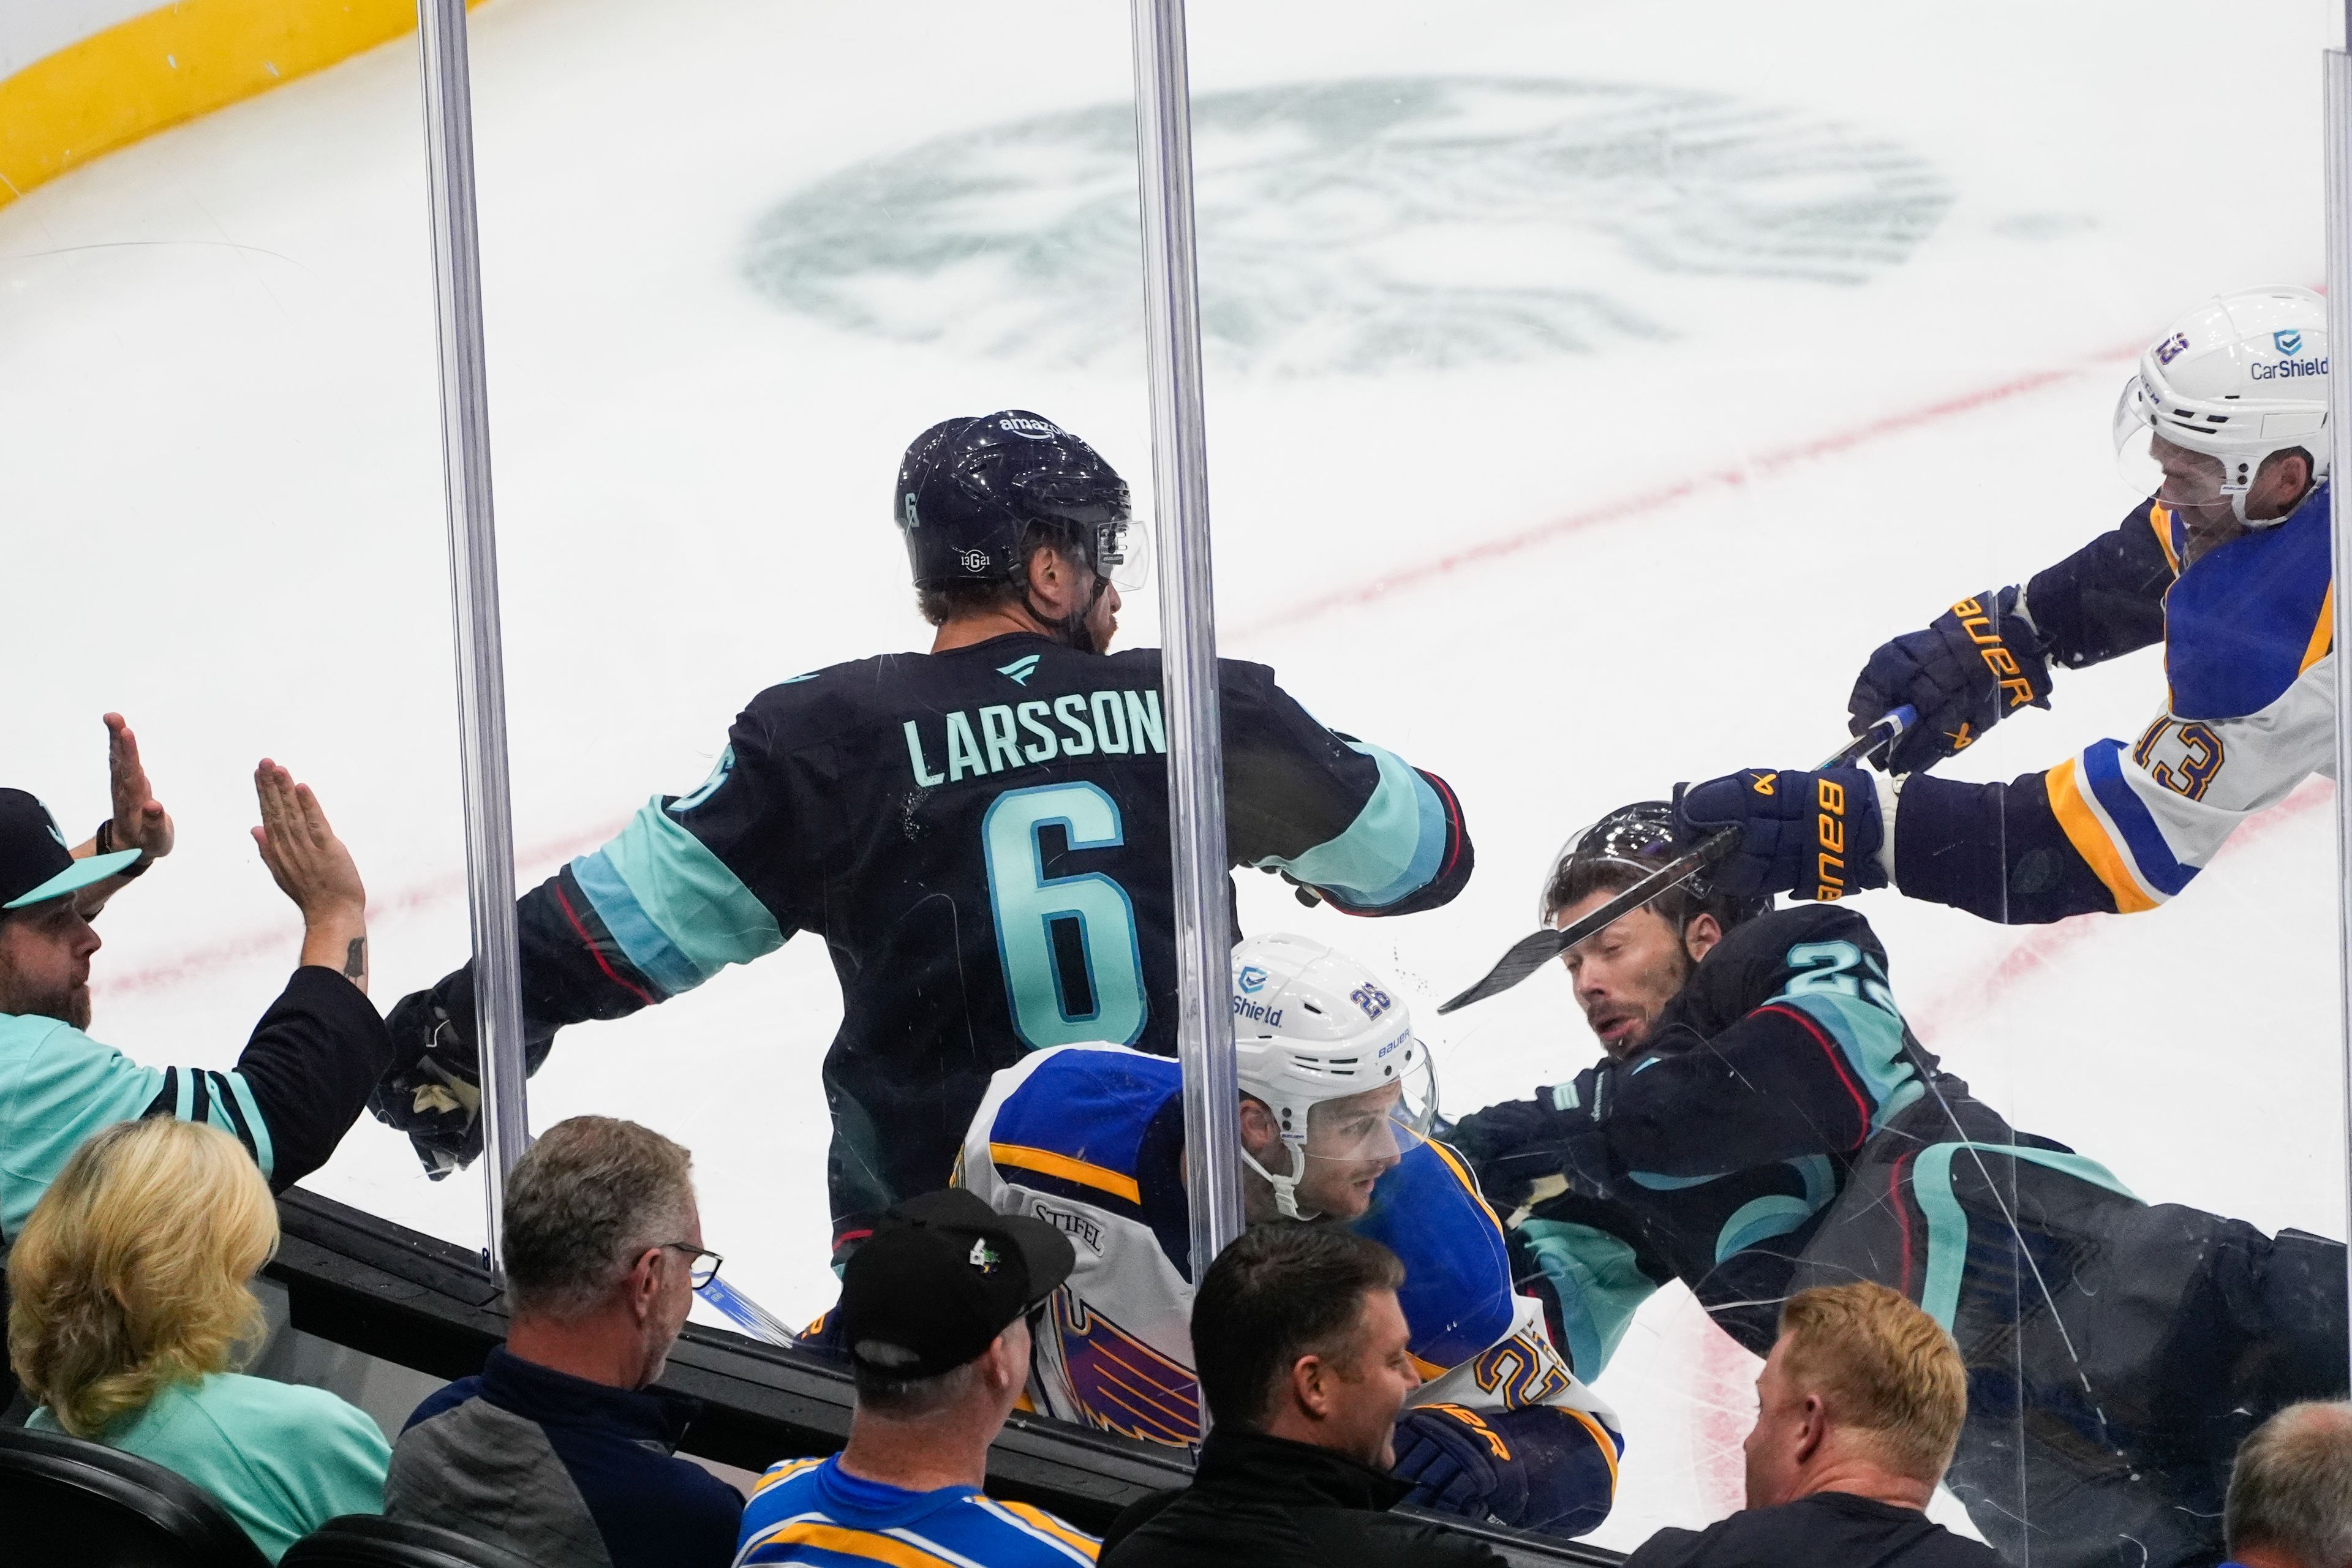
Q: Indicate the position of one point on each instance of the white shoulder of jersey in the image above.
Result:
(2148, 817)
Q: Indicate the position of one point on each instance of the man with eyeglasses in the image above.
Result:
(562, 1449)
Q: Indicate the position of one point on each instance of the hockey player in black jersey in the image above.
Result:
(979, 834)
(1764, 1120)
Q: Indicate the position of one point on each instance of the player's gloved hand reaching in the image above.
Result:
(1970, 668)
(1513, 1146)
(1811, 834)
(1452, 1459)
(1532, 1468)
(437, 1097)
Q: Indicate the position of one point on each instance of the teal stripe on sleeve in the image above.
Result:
(1393, 849)
(1947, 1222)
(679, 913)
(1599, 1285)
(1870, 1038)
(264, 1154)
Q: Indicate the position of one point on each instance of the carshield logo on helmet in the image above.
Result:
(2289, 341)
(1252, 978)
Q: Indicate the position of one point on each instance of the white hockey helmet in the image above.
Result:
(2238, 378)
(1312, 1024)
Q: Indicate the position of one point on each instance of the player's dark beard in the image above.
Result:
(1075, 630)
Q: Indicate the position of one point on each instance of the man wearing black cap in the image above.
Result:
(935, 1309)
(304, 1074)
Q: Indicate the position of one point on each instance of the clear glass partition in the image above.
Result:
(1591, 393)
(708, 349)
(222, 498)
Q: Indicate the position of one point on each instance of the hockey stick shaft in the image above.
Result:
(1531, 953)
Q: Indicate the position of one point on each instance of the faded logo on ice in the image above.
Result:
(1354, 227)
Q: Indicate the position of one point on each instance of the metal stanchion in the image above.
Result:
(1196, 795)
(474, 597)
(2338, 119)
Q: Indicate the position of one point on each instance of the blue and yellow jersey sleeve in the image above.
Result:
(810, 1512)
(2118, 829)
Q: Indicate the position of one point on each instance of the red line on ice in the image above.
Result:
(281, 939)
(1406, 578)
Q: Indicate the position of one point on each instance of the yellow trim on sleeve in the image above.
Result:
(1469, 1183)
(784, 1472)
(2159, 518)
(1608, 1445)
(2090, 840)
(1045, 1162)
(2322, 633)
(173, 64)
(1430, 1371)
(849, 1543)
(1052, 1527)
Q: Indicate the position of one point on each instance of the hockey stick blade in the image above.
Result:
(1531, 953)
(747, 1314)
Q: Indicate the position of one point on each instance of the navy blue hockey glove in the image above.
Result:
(1532, 1469)
(1811, 834)
(1975, 664)
(1456, 1464)
(1516, 1144)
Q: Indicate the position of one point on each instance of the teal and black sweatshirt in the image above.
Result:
(296, 1089)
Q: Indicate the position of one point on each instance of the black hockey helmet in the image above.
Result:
(1639, 838)
(971, 488)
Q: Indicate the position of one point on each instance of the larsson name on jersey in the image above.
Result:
(975, 744)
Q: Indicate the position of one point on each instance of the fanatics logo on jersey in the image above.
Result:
(1019, 671)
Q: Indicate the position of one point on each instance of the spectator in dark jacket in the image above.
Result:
(2290, 1491)
(560, 1449)
(1303, 1360)
(1858, 1410)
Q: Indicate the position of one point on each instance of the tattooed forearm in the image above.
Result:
(355, 959)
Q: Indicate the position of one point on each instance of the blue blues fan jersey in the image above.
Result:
(980, 838)
(1090, 1139)
(814, 1511)
(2249, 713)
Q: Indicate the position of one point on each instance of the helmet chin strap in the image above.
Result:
(1071, 630)
(1286, 1188)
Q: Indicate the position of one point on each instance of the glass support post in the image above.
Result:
(2338, 122)
(1196, 794)
(474, 597)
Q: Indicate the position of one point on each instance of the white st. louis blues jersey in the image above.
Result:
(1088, 1139)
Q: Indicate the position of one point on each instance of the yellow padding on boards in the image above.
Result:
(173, 64)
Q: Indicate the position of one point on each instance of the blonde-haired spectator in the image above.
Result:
(1858, 1410)
(130, 1300)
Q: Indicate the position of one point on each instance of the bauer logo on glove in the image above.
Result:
(1811, 834)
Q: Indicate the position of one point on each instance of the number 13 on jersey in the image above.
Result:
(1072, 968)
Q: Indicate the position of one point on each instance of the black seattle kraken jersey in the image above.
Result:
(981, 837)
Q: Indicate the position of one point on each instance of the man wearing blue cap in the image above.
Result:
(305, 1072)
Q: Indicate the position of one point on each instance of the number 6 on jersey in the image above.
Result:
(1028, 906)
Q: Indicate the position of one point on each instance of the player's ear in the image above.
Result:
(1701, 934)
(1259, 1134)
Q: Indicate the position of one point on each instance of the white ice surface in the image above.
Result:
(220, 484)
